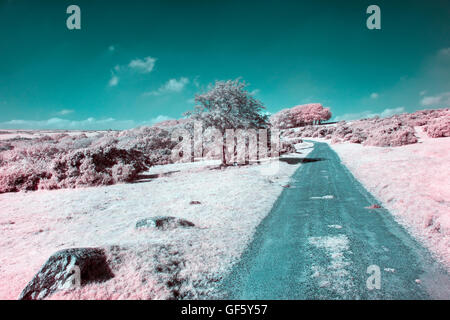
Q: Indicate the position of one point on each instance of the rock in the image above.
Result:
(60, 270)
(195, 202)
(163, 223)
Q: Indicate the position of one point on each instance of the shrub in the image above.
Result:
(391, 138)
(438, 128)
(64, 161)
(13, 179)
(394, 131)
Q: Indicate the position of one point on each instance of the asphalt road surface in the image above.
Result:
(321, 242)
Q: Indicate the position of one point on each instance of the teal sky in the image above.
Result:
(136, 62)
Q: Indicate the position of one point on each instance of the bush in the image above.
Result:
(394, 131)
(438, 128)
(391, 138)
(64, 161)
(17, 177)
(101, 166)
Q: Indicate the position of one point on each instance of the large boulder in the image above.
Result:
(163, 223)
(60, 270)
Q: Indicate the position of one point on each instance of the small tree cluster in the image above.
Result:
(313, 113)
(301, 115)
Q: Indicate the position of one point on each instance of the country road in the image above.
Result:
(319, 240)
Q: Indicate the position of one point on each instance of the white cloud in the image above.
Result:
(390, 112)
(86, 124)
(374, 95)
(369, 114)
(111, 48)
(114, 81)
(441, 100)
(423, 92)
(444, 52)
(173, 85)
(196, 82)
(160, 118)
(64, 112)
(145, 65)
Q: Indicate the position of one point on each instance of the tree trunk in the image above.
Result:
(224, 159)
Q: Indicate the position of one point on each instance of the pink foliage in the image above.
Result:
(300, 115)
(310, 113)
(384, 133)
(439, 127)
(394, 131)
(64, 161)
(423, 117)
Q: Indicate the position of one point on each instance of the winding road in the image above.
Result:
(320, 241)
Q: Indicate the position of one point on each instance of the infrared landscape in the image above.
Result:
(224, 154)
(63, 189)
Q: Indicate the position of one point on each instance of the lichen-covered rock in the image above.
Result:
(58, 272)
(163, 223)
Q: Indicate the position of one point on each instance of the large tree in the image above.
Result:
(228, 105)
